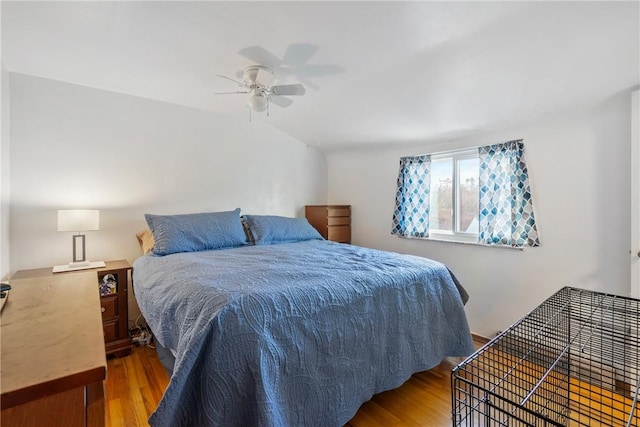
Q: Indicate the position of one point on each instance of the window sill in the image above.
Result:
(462, 242)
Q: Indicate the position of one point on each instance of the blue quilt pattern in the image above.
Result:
(294, 334)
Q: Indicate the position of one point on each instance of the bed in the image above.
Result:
(293, 330)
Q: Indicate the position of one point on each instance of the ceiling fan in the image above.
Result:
(257, 81)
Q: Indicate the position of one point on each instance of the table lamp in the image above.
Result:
(78, 220)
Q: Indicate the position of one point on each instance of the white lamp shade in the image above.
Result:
(258, 103)
(78, 220)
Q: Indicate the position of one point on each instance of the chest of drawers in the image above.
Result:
(333, 222)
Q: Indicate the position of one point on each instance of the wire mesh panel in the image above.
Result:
(572, 361)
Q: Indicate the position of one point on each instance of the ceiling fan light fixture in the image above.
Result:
(258, 103)
(257, 82)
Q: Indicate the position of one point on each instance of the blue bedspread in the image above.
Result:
(296, 334)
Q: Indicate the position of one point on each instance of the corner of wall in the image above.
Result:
(5, 188)
(635, 194)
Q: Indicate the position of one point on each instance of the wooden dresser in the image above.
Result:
(332, 221)
(114, 301)
(53, 362)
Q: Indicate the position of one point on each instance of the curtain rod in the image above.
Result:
(459, 150)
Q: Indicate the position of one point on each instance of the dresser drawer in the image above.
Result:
(110, 330)
(340, 233)
(338, 220)
(338, 212)
(109, 307)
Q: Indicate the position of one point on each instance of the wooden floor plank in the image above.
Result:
(134, 386)
(137, 386)
(373, 415)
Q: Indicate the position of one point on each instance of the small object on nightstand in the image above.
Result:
(109, 285)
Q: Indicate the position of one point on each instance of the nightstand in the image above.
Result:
(112, 282)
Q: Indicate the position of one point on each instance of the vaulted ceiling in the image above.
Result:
(375, 72)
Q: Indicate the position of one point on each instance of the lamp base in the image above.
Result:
(73, 266)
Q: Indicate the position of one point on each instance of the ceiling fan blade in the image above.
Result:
(281, 101)
(239, 83)
(288, 90)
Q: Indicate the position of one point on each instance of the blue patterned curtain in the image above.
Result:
(411, 216)
(506, 209)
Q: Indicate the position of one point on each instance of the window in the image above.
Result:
(454, 196)
(478, 195)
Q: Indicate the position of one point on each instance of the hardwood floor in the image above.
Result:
(423, 400)
(135, 385)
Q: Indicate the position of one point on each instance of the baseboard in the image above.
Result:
(480, 338)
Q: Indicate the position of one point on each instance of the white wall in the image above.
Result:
(4, 175)
(78, 147)
(580, 177)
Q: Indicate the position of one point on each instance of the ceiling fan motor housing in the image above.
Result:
(251, 72)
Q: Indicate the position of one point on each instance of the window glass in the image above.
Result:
(468, 195)
(454, 196)
(441, 199)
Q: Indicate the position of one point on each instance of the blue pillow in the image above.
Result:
(269, 229)
(195, 232)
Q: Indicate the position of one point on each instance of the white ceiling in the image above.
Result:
(375, 72)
